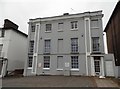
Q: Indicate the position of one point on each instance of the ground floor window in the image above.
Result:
(30, 60)
(46, 61)
(74, 62)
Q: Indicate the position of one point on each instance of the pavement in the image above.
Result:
(58, 81)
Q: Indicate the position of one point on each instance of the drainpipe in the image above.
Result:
(86, 48)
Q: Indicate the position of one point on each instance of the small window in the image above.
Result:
(60, 26)
(74, 62)
(30, 61)
(32, 28)
(48, 27)
(74, 25)
(46, 61)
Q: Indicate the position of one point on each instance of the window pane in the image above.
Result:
(30, 61)
(74, 62)
(95, 43)
(33, 28)
(48, 27)
(74, 45)
(74, 24)
(31, 46)
(46, 61)
(47, 46)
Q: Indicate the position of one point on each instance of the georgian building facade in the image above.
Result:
(70, 44)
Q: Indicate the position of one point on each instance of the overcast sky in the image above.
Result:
(20, 11)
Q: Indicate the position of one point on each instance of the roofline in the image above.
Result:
(16, 31)
(84, 14)
(113, 13)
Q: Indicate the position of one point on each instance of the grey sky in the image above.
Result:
(20, 11)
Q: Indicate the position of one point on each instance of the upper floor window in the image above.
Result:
(46, 61)
(48, 27)
(74, 45)
(74, 25)
(96, 44)
(32, 28)
(94, 23)
(74, 62)
(47, 46)
(60, 26)
(2, 32)
(31, 46)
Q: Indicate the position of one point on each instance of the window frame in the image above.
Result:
(47, 46)
(74, 25)
(74, 62)
(30, 67)
(46, 62)
(74, 45)
(95, 44)
(33, 28)
(31, 46)
(48, 28)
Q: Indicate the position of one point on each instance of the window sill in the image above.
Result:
(76, 29)
(60, 30)
(74, 52)
(46, 68)
(47, 31)
(96, 52)
(95, 27)
(29, 68)
(74, 69)
(59, 69)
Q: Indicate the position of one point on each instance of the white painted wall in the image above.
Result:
(16, 51)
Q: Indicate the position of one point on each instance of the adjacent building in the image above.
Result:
(113, 35)
(69, 44)
(13, 45)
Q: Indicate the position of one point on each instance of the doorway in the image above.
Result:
(97, 66)
(1, 65)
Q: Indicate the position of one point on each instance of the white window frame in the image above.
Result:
(74, 62)
(47, 47)
(46, 61)
(74, 25)
(48, 28)
(74, 45)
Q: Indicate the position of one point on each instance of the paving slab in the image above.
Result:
(105, 82)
